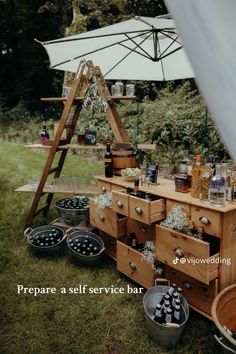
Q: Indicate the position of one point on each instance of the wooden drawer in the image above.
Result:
(120, 202)
(146, 211)
(110, 244)
(186, 254)
(130, 262)
(170, 203)
(115, 187)
(196, 293)
(108, 221)
(142, 231)
(210, 220)
(103, 187)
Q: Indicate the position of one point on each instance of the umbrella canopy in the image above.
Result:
(143, 48)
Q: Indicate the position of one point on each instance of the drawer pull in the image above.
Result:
(143, 229)
(133, 267)
(204, 220)
(103, 189)
(187, 285)
(101, 217)
(138, 210)
(178, 252)
(119, 203)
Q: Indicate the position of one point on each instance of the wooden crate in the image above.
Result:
(171, 243)
(108, 221)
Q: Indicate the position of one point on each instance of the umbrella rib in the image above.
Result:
(173, 41)
(138, 45)
(131, 50)
(92, 37)
(94, 51)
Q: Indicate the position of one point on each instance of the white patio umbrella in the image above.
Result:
(143, 48)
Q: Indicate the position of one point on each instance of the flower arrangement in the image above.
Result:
(102, 201)
(130, 174)
(149, 255)
(178, 220)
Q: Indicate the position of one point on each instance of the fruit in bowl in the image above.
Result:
(130, 174)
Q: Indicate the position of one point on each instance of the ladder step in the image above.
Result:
(41, 209)
(54, 169)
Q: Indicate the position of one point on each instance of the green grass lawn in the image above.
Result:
(68, 323)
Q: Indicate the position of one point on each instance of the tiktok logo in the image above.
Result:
(175, 261)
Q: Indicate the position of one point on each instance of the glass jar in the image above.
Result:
(130, 90)
(119, 88)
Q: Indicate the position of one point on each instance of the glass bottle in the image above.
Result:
(108, 162)
(183, 179)
(205, 182)
(196, 175)
(176, 315)
(225, 173)
(44, 135)
(217, 188)
(233, 183)
(158, 315)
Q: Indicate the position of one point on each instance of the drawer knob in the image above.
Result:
(101, 217)
(119, 203)
(103, 189)
(133, 267)
(138, 210)
(178, 252)
(187, 285)
(204, 220)
(143, 229)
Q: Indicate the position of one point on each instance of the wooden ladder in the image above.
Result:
(80, 85)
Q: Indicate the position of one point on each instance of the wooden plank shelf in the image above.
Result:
(51, 189)
(78, 99)
(83, 147)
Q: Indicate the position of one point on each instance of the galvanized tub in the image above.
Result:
(166, 336)
(72, 217)
(33, 234)
(88, 260)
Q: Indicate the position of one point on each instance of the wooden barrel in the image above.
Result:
(123, 156)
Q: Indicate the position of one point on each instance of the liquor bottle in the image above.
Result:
(136, 186)
(177, 314)
(196, 174)
(44, 133)
(225, 173)
(169, 316)
(108, 162)
(183, 179)
(205, 181)
(217, 188)
(133, 240)
(158, 315)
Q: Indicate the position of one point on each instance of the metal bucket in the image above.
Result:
(166, 336)
(56, 249)
(223, 313)
(88, 260)
(72, 217)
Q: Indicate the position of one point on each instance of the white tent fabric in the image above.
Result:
(125, 51)
(208, 30)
